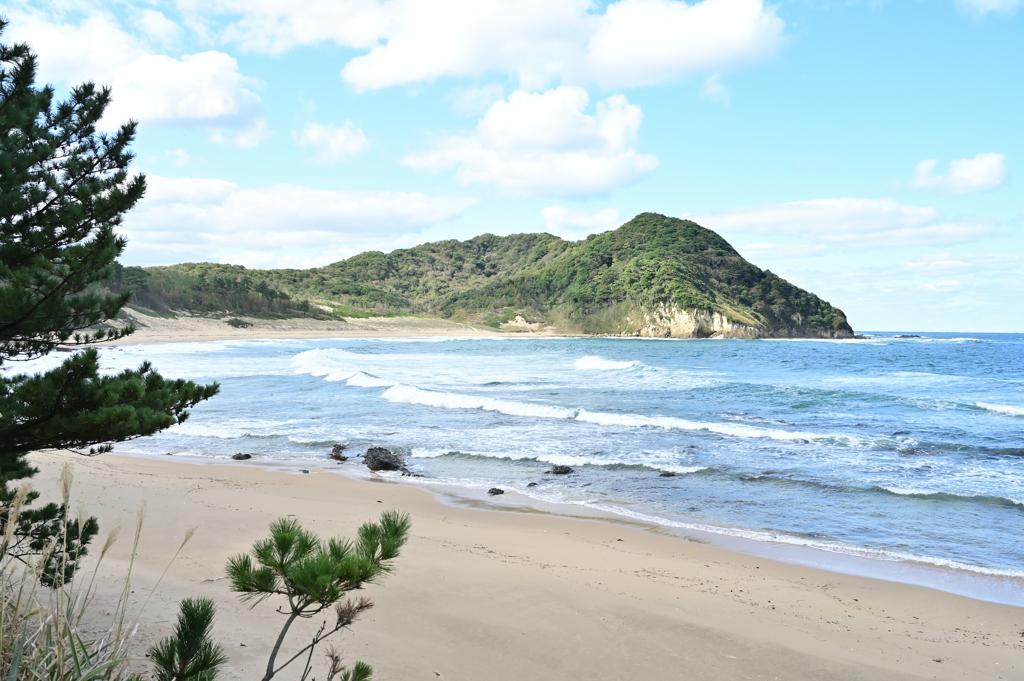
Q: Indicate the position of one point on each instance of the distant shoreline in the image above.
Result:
(195, 328)
(200, 329)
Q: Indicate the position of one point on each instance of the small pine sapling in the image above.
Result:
(190, 653)
(313, 576)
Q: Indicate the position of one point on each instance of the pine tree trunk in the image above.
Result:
(277, 647)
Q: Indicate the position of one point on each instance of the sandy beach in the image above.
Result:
(186, 328)
(484, 594)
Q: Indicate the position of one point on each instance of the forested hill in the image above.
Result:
(654, 275)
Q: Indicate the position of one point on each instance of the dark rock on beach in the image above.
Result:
(336, 452)
(532, 484)
(560, 470)
(667, 474)
(495, 491)
(241, 457)
(380, 459)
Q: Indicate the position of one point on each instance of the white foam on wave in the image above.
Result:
(915, 492)
(595, 363)
(446, 400)
(733, 430)
(364, 380)
(1001, 408)
(321, 363)
(560, 459)
(235, 428)
(824, 340)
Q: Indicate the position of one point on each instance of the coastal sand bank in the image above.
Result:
(481, 594)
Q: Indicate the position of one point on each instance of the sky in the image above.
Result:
(871, 152)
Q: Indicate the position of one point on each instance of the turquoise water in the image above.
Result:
(894, 449)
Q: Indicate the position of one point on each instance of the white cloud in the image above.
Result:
(246, 138)
(216, 220)
(715, 90)
(274, 27)
(158, 27)
(848, 222)
(982, 7)
(574, 225)
(205, 88)
(474, 101)
(331, 142)
(941, 286)
(974, 263)
(629, 43)
(769, 250)
(643, 42)
(982, 173)
(544, 144)
(201, 88)
(178, 157)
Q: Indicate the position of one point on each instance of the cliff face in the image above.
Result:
(670, 321)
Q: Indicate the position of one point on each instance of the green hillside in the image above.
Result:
(616, 282)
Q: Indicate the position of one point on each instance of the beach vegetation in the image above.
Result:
(189, 654)
(64, 189)
(312, 576)
(66, 633)
(238, 323)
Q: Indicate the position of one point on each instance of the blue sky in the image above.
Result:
(868, 151)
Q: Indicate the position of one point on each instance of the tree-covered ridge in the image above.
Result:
(604, 284)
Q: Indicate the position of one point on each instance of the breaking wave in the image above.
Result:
(446, 400)
(951, 496)
(595, 363)
(1001, 409)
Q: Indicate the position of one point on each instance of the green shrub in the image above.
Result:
(190, 653)
(313, 576)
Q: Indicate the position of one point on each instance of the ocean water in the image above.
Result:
(892, 449)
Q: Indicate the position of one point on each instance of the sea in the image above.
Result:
(881, 453)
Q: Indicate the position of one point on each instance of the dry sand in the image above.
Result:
(185, 328)
(480, 594)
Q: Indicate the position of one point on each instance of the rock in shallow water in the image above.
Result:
(560, 470)
(336, 452)
(380, 459)
(241, 457)
(495, 490)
